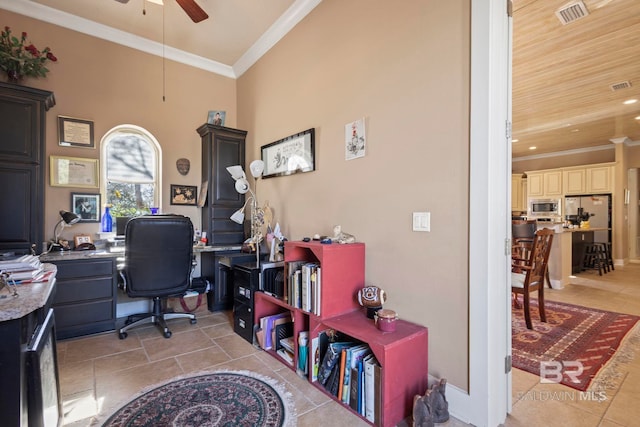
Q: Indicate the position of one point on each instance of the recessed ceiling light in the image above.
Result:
(575, 130)
(630, 101)
(533, 147)
(516, 140)
(637, 117)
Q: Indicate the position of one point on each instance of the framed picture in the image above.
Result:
(216, 117)
(75, 132)
(183, 194)
(86, 206)
(74, 172)
(293, 154)
(79, 239)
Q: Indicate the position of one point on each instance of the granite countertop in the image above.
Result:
(31, 296)
(585, 230)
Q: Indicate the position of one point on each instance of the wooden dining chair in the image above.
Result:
(529, 265)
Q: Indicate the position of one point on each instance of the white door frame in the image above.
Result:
(488, 399)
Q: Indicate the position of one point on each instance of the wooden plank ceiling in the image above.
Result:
(562, 75)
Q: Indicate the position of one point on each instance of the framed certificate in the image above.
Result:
(75, 132)
(74, 172)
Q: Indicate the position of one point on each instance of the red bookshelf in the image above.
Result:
(402, 354)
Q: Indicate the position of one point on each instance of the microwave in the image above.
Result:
(545, 208)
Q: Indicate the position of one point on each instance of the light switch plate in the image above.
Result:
(422, 221)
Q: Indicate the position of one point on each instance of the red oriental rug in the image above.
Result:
(575, 343)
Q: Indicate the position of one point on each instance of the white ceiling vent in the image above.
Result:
(571, 12)
(620, 85)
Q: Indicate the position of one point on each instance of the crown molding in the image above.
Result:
(563, 153)
(298, 10)
(285, 23)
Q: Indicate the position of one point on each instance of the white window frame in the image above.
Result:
(153, 142)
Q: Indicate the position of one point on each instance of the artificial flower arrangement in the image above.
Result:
(19, 59)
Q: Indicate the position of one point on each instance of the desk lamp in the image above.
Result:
(68, 218)
(242, 186)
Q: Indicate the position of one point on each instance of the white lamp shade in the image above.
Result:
(256, 167)
(242, 185)
(238, 216)
(236, 172)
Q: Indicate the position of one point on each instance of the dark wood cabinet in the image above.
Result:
(221, 147)
(22, 165)
(85, 301)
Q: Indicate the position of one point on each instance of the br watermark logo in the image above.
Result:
(552, 371)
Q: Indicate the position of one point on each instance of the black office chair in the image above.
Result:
(158, 262)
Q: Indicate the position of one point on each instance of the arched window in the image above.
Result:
(131, 172)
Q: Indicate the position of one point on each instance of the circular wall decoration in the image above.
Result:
(183, 166)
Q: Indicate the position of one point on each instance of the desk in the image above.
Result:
(88, 300)
(20, 317)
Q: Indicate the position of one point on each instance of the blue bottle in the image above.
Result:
(107, 220)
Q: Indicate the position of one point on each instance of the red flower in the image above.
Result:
(51, 57)
(24, 35)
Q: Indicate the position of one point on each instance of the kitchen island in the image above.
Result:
(567, 251)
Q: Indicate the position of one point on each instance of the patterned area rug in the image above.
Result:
(572, 334)
(227, 398)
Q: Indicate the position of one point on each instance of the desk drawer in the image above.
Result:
(84, 268)
(83, 289)
(83, 314)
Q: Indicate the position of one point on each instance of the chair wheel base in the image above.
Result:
(122, 335)
(167, 334)
(194, 321)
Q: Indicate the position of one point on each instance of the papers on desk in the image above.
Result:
(24, 269)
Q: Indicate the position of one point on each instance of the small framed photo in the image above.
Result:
(184, 195)
(86, 206)
(79, 239)
(216, 117)
(293, 154)
(75, 132)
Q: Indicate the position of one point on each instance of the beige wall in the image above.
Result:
(112, 85)
(406, 71)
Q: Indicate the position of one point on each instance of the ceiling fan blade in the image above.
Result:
(123, 1)
(192, 9)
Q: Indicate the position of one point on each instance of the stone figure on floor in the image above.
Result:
(432, 407)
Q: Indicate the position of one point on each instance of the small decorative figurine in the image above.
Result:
(432, 407)
(372, 298)
(341, 237)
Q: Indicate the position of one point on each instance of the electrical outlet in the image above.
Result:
(422, 221)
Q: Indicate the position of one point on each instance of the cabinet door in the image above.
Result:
(516, 192)
(22, 147)
(535, 185)
(574, 181)
(599, 180)
(553, 183)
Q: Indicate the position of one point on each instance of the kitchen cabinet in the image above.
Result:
(221, 147)
(544, 183)
(574, 181)
(587, 180)
(22, 156)
(599, 180)
(518, 193)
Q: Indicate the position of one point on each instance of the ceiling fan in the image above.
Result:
(191, 8)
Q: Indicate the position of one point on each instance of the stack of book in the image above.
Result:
(350, 372)
(304, 285)
(24, 269)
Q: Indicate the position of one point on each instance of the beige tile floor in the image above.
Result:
(99, 373)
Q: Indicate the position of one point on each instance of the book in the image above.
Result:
(319, 346)
(352, 354)
(343, 359)
(330, 359)
(369, 387)
(285, 355)
(287, 343)
(303, 352)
